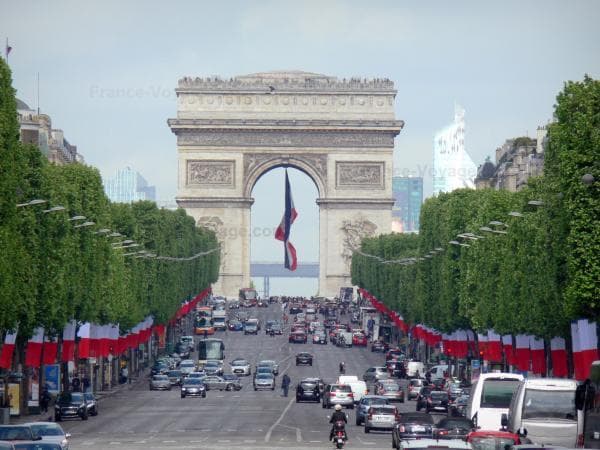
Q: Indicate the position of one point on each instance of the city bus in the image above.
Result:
(213, 349)
(203, 323)
(248, 295)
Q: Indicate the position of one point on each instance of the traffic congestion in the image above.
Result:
(244, 358)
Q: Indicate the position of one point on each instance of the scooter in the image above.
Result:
(339, 434)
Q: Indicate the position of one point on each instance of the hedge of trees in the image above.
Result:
(535, 278)
(52, 271)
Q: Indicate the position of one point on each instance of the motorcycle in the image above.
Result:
(342, 368)
(339, 434)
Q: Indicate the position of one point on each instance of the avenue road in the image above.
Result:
(141, 419)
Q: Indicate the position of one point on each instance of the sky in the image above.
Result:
(108, 70)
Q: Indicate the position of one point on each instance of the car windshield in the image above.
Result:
(174, 373)
(71, 397)
(186, 364)
(13, 433)
(37, 446)
(160, 378)
(383, 410)
(342, 388)
(417, 418)
(439, 396)
(239, 362)
(497, 393)
(375, 401)
(491, 443)
(193, 381)
(455, 423)
(540, 404)
(308, 384)
(47, 430)
(211, 364)
(390, 387)
(263, 376)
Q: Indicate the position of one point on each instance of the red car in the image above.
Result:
(359, 339)
(298, 337)
(485, 439)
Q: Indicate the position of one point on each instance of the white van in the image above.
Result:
(413, 368)
(545, 408)
(437, 372)
(490, 398)
(359, 387)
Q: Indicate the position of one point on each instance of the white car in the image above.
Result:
(187, 366)
(240, 366)
(424, 444)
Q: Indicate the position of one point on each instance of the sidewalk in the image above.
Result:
(100, 395)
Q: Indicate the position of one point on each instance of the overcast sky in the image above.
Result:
(503, 61)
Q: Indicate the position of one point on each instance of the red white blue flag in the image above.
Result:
(283, 230)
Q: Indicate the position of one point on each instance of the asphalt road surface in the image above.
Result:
(140, 419)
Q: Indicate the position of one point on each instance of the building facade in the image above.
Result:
(408, 197)
(517, 160)
(128, 185)
(36, 129)
(453, 168)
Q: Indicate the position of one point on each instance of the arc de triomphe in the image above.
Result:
(339, 132)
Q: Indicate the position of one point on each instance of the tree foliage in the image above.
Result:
(52, 271)
(535, 273)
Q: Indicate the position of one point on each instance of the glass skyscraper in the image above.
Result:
(408, 196)
(128, 186)
(453, 168)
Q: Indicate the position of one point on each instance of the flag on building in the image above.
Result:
(83, 348)
(283, 230)
(50, 350)
(538, 355)
(584, 336)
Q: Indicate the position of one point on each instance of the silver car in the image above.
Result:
(240, 367)
(50, 432)
(374, 374)
(193, 387)
(270, 363)
(264, 381)
(217, 383)
(213, 367)
(187, 366)
(160, 382)
(381, 417)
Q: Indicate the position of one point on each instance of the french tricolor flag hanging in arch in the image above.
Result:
(283, 230)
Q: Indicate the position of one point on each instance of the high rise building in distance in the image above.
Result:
(127, 186)
(453, 168)
(408, 196)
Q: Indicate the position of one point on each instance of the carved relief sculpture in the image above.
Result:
(361, 174)
(218, 173)
(353, 233)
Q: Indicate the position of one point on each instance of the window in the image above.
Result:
(541, 404)
(497, 393)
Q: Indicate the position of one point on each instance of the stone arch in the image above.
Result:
(313, 168)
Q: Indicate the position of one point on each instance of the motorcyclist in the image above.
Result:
(338, 416)
(342, 367)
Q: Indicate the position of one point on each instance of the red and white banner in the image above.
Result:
(482, 342)
(558, 351)
(8, 349)
(83, 347)
(522, 354)
(494, 347)
(68, 342)
(538, 355)
(585, 347)
(50, 351)
(33, 351)
(507, 348)
(113, 337)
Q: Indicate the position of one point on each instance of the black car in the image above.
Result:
(378, 346)
(454, 428)
(159, 368)
(92, 404)
(437, 401)
(304, 358)
(308, 389)
(412, 426)
(70, 405)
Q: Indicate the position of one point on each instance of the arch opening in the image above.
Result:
(266, 253)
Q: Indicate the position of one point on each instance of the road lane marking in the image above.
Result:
(278, 421)
(298, 435)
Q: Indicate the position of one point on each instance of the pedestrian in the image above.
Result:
(44, 400)
(124, 374)
(76, 384)
(86, 384)
(205, 334)
(285, 384)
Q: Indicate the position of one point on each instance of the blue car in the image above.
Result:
(235, 325)
(365, 403)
